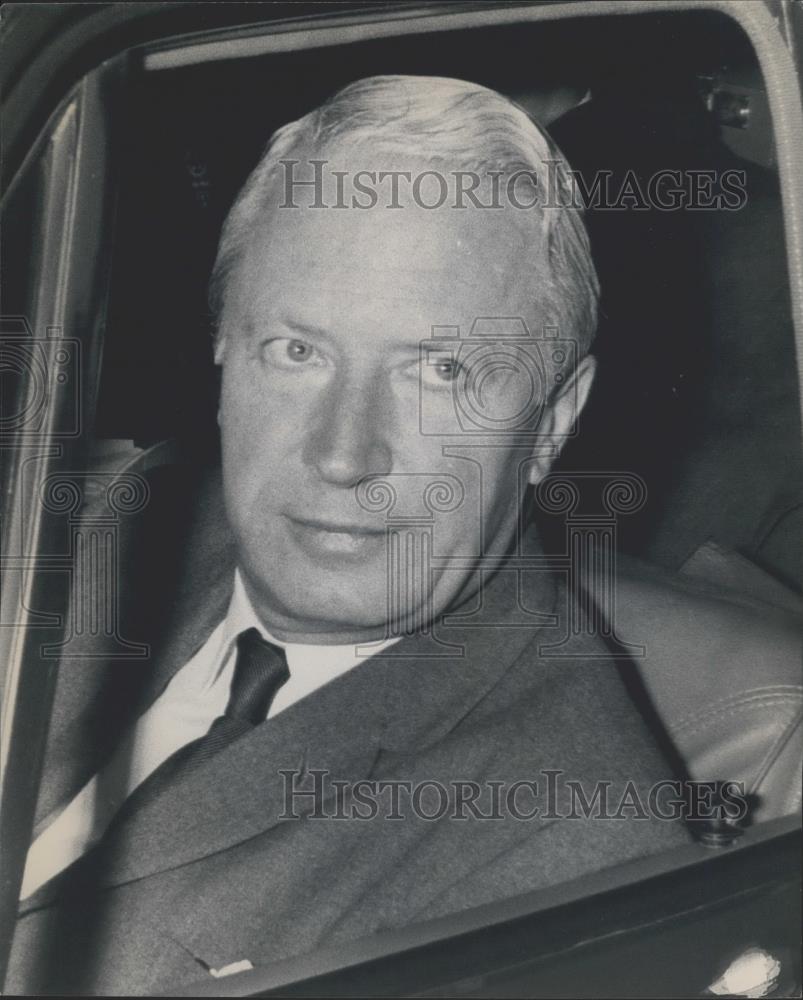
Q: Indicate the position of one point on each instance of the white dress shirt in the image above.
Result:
(197, 694)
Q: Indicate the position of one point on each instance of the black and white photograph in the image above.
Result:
(402, 498)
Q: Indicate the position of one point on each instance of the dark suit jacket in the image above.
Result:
(214, 872)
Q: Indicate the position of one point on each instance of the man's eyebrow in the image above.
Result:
(291, 326)
(311, 330)
(305, 329)
(301, 329)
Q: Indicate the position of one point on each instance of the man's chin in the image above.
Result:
(329, 589)
(332, 607)
(336, 626)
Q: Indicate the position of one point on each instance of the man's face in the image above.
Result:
(322, 387)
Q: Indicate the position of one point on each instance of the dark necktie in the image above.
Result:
(260, 669)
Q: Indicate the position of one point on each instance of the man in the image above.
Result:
(364, 707)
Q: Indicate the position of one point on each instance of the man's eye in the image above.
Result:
(440, 370)
(446, 371)
(287, 352)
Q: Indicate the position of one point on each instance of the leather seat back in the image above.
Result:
(723, 670)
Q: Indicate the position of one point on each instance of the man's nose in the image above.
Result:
(350, 439)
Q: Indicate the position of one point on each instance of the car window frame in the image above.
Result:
(73, 144)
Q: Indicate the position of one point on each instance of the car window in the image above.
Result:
(669, 513)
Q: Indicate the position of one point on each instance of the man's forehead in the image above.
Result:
(387, 266)
(449, 241)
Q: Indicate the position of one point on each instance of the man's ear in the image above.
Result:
(219, 354)
(560, 416)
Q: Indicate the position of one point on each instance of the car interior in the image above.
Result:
(697, 393)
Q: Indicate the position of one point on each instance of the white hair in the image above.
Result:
(442, 121)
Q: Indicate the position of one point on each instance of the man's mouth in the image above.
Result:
(337, 538)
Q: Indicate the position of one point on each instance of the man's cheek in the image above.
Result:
(251, 421)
